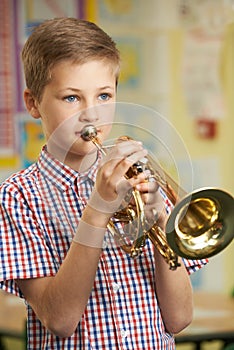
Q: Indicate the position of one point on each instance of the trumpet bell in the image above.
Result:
(201, 224)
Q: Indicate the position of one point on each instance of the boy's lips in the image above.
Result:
(78, 133)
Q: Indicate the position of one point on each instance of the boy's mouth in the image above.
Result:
(94, 132)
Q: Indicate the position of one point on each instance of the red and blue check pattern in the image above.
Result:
(40, 210)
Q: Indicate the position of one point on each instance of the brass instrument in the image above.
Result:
(200, 225)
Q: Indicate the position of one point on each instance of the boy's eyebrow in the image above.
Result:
(80, 90)
(107, 87)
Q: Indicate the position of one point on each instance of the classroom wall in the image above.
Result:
(183, 60)
(177, 61)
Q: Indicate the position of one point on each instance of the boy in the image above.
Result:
(78, 294)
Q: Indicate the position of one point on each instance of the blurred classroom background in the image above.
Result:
(177, 61)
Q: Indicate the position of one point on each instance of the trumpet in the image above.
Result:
(199, 226)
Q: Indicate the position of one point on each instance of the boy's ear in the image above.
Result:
(31, 104)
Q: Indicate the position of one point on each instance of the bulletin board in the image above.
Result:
(18, 17)
(170, 58)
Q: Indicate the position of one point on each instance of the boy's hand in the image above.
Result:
(155, 210)
(111, 185)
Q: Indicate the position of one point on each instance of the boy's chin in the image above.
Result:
(86, 149)
(81, 160)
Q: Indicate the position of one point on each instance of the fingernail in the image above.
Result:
(147, 173)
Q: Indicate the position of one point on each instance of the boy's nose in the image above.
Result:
(89, 114)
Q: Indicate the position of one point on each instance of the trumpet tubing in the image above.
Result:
(200, 225)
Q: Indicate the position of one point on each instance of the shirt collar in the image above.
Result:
(61, 175)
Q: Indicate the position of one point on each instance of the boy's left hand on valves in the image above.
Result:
(111, 184)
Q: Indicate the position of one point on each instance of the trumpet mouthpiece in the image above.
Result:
(88, 132)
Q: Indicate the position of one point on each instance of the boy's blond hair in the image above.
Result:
(60, 39)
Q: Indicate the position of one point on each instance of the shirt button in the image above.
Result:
(116, 287)
(124, 333)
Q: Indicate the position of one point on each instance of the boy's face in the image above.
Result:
(77, 95)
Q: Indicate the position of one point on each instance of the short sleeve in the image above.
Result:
(194, 265)
(25, 252)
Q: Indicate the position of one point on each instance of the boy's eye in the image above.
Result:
(104, 97)
(71, 98)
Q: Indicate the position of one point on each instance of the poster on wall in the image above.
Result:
(28, 14)
(204, 23)
(7, 81)
(121, 11)
(31, 140)
(200, 76)
(17, 19)
(131, 67)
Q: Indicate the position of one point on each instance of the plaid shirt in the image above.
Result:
(40, 210)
